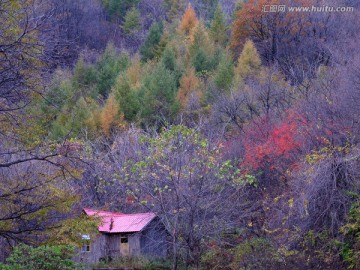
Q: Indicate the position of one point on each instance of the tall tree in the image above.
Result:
(189, 21)
(149, 48)
(218, 27)
(180, 175)
(248, 63)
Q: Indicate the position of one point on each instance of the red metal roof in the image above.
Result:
(114, 222)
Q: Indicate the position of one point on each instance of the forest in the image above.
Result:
(237, 124)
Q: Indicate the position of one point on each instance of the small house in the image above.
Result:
(124, 235)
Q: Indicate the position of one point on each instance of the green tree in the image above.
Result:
(149, 48)
(118, 8)
(218, 27)
(127, 97)
(159, 106)
(174, 7)
(225, 73)
(108, 69)
(132, 21)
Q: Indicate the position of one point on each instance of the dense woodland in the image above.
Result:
(239, 128)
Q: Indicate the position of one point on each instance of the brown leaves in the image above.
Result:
(109, 116)
(189, 21)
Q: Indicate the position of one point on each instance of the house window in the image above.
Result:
(86, 247)
(123, 240)
(86, 243)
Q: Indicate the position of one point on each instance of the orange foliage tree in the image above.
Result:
(109, 116)
(189, 21)
(189, 86)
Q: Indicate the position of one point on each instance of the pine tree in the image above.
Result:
(149, 49)
(201, 49)
(225, 73)
(159, 104)
(218, 27)
(189, 21)
(175, 8)
(109, 67)
(132, 21)
(249, 62)
(134, 72)
(127, 96)
(189, 86)
(109, 116)
(168, 58)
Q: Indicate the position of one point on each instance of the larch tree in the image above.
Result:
(189, 21)
(218, 27)
(110, 116)
(248, 63)
(189, 88)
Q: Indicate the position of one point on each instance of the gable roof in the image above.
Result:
(114, 222)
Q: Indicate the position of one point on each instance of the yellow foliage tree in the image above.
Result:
(134, 72)
(249, 62)
(189, 87)
(189, 21)
(109, 116)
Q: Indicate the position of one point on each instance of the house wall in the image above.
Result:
(97, 251)
(113, 245)
(153, 240)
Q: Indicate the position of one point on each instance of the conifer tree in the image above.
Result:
(149, 48)
(249, 62)
(218, 27)
(168, 58)
(134, 72)
(109, 67)
(201, 49)
(189, 21)
(127, 97)
(225, 73)
(175, 8)
(189, 86)
(159, 96)
(109, 116)
(131, 21)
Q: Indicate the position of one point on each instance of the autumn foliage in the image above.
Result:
(273, 145)
(109, 116)
(189, 87)
(189, 21)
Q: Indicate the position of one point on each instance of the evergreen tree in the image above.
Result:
(168, 58)
(132, 21)
(218, 27)
(225, 73)
(128, 97)
(108, 69)
(175, 7)
(119, 8)
(84, 79)
(149, 48)
(159, 104)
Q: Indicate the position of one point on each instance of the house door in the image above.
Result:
(124, 246)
